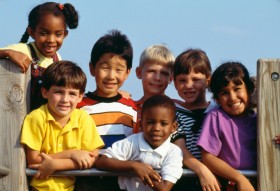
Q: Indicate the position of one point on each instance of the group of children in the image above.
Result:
(153, 137)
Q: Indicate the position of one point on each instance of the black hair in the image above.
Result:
(227, 72)
(192, 59)
(159, 101)
(114, 42)
(67, 11)
(66, 74)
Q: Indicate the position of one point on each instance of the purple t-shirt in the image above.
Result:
(232, 139)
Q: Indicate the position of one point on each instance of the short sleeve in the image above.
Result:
(209, 138)
(120, 150)
(172, 167)
(33, 131)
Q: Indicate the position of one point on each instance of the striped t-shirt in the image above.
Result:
(114, 117)
(189, 127)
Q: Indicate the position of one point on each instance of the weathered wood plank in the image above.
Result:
(268, 124)
(13, 108)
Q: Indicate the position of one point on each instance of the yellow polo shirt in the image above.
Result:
(42, 133)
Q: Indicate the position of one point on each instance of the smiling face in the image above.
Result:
(61, 102)
(155, 78)
(233, 99)
(110, 72)
(158, 123)
(49, 34)
(192, 89)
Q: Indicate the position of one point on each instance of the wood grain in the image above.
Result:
(268, 125)
(13, 108)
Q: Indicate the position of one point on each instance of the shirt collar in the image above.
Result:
(161, 150)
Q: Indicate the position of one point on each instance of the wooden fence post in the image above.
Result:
(14, 101)
(268, 81)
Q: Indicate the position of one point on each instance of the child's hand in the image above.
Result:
(45, 169)
(277, 139)
(146, 173)
(21, 59)
(125, 94)
(244, 184)
(83, 158)
(207, 180)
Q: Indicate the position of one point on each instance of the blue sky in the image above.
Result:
(236, 30)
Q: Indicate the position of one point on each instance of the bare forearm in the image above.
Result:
(5, 53)
(220, 168)
(162, 186)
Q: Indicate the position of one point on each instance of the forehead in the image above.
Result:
(50, 21)
(113, 59)
(192, 73)
(157, 112)
(156, 65)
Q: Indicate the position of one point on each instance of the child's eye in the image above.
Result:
(164, 124)
(43, 33)
(165, 73)
(58, 34)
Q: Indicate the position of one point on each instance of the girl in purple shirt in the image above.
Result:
(228, 137)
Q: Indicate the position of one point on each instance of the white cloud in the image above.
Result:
(228, 30)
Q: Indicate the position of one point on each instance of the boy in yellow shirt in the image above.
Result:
(57, 136)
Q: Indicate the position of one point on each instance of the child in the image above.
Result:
(114, 115)
(155, 68)
(143, 152)
(192, 72)
(57, 136)
(228, 138)
(47, 25)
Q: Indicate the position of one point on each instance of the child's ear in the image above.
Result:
(174, 126)
(44, 93)
(208, 81)
(30, 32)
(80, 97)
(65, 33)
(127, 73)
(170, 78)
(138, 71)
(91, 69)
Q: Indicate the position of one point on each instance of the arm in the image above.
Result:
(19, 58)
(84, 159)
(207, 179)
(222, 169)
(143, 171)
(277, 139)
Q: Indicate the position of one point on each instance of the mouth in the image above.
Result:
(155, 137)
(156, 85)
(49, 49)
(63, 107)
(189, 94)
(235, 105)
(109, 85)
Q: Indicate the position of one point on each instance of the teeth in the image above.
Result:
(236, 105)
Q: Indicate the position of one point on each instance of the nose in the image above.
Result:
(51, 38)
(232, 96)
(111, 74)
(157, 76)
(156, 127)
(64, 98)
(189, 83)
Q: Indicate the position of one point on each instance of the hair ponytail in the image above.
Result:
(24, 37)
(71, 15)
